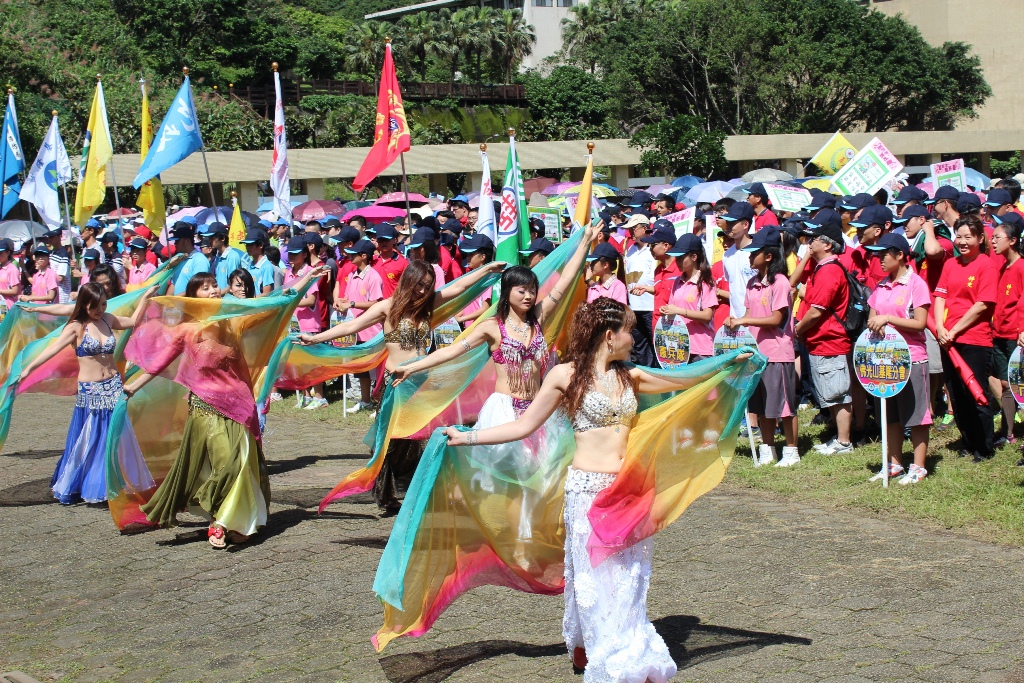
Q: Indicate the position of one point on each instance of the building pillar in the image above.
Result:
(985, 164)
(793, 167)
(930, 159)
(248, 196)
(438, 184)
(218, 194)
(620, 177)
(473, 181)
(314, 188)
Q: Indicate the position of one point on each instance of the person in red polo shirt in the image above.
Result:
(964, 301)
(1008, 321)
(665, 273)
(873, 222)
(389, 264)
(824, 305)
(757, 197)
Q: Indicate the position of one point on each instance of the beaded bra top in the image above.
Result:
(408, 336)
(91, 346)
(524, 364)
(600, 410)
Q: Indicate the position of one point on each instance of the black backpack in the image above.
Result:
(856, 304)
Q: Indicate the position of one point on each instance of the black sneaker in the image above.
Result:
(999, 442)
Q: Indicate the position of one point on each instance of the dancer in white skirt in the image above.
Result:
(605, 625)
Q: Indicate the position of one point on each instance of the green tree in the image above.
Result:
(513, 42)
(681, 146)
(364, 49)
(569, 104)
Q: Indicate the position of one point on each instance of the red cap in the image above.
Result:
(143, 231)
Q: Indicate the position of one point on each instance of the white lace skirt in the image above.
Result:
(606, 606)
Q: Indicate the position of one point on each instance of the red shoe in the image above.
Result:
(579, 660)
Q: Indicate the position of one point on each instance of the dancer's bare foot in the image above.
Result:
(579, 659)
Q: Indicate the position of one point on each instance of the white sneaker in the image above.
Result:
(895, 470)
(765, 455)
(913, 476)
(836, 447)
(302, 401)
(275, 397)
(685, 438)
(359, 406)
(790, 457)
(354, 391)
(316, 404)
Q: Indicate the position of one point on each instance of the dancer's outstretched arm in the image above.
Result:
(485, 333)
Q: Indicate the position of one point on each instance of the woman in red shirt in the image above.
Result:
(1006, 323)
(964, 303)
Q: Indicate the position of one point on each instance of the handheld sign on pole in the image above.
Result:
(682, 221)
(672, 341)
(787, 197)
(949, 173)
(729, 340)
(882, 365)
(869, 171)
(1015, 376)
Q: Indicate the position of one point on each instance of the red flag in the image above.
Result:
(391, 134)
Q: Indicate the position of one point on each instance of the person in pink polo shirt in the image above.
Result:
(141, 269)
(769, 316)
(365, 287)
(10, 275)
(692, 295)
(606, 273)
(305, 313)
(44, 282)
(902, 300)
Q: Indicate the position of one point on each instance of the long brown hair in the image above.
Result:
(406, 303)
(90, 294)
(589, 324)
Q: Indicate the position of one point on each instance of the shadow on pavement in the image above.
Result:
(281, 466)
(377, 542)
(688, 641)
(35, 455)
(35, 492)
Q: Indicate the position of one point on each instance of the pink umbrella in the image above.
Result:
(398, 199)
(927, 187)
(316, 209)
(182, 213)
(123, 212)
(375, 213)
(559, 188)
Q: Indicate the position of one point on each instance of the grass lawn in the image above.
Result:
(985, 501)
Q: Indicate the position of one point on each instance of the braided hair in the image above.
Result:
(589, 325)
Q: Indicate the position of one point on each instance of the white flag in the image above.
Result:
(279, 169)
(51, 169)
(485, 224)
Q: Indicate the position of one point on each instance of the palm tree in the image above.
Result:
(417, 40)
(364, 48)
(583, 32)
(457, 37)
(514, 41)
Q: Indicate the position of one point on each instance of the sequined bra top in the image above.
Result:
(600, 410)
(91, 346)
(408, 336)
(525, 364)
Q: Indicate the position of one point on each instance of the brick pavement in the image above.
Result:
(745, 588)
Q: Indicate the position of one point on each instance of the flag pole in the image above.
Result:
(209, 182)
(67, 211)
(113, 178)
(405, 180)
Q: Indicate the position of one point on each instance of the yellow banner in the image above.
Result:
(96, 154)
(151, 196)
(835, 154)
(236, 231)
(582, 216)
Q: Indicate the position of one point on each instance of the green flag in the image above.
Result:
(513, 228)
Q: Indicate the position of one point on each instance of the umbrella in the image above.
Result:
(356, 204)
(662, 189)
(187, 211)
(816, 183)
(765, 175)
(536, 185)
(375, 213)
(316, 209)
(269, 206)
(707, 193)
(124, 212)
(687, 181)
(738, 193)
(398, 199)
(217, 214)
(974, 179)
(598, 191)
(927, 187)
(19, 231)
(559, 188)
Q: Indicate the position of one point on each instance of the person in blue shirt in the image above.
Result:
(226, 259)
(262, 269)
(183, 235)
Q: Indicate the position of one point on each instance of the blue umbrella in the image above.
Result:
(223, 215)
(687, 181)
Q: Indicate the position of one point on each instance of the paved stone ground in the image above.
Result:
(745, 588)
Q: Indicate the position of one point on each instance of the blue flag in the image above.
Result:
(177, 138)
(12, 160)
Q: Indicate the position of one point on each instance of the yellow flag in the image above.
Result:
(834, 155)
(96, 154)
(151, 196)
(582, 216)
(236, 231)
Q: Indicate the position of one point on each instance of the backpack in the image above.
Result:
(856, 304)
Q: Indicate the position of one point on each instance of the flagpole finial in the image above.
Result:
(273, 66)
(387, 40)
(511, 132)
(54, 112)
(184, 70)
(233, 194)
(483, 146)
(590, 148)
(10, 91)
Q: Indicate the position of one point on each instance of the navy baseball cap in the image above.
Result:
(764, 239)
(476, 243)
(758, 189)
(181, 229)
(453, 225)
(1011, 218)
(421, 236)
(891, 240)
(603, 250)
(686, 244)
(910, 194)
(740, 211)
(363, 246)
(821, 200)
(998, 197)
(824, 217)
(384, 231)
(7, 245)
(539, 244)
(640, 199)
(914, 211)
(348, 234)
(313, 238)
(947, 192)
(296, 244)
(138, 243)
(110, 237)
(832, 230)
(968, 202)
(860, 200)
(53, 233)
(91, 254)
(665, 232)
(254, 237)
(217, 229)
(41, 249)
(875, 214)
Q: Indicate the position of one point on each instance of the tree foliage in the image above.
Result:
(680, 146)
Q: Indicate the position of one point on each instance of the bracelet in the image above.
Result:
(473, 438)
(466, 344)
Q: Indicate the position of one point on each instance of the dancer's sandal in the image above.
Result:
(215, 535)
(237, 538)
